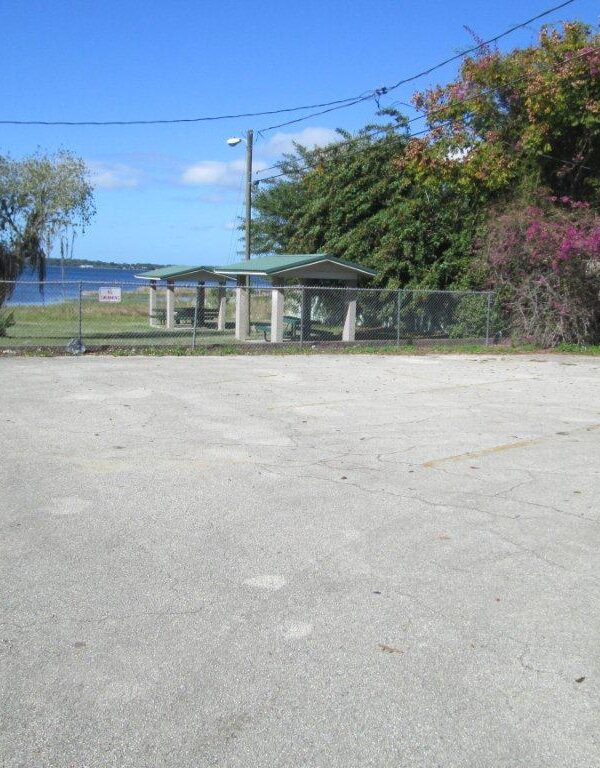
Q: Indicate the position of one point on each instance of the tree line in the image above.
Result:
(497, 187)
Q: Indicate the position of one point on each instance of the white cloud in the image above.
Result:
(216, 173)
(280, 143)
(229, 175)
(114, 175)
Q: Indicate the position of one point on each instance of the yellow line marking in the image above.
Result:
(506, 447)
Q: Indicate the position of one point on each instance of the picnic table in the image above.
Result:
(185, 316)
(291, 327)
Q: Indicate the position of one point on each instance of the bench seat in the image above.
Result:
(291, 326)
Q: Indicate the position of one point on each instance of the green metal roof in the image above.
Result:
(272, 265)
(163, 273)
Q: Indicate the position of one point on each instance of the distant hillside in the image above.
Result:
(105, 265)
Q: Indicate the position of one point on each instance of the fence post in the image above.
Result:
(195, 317)
(487, 324)
(302, 316)
(80, 316)
(400, 292)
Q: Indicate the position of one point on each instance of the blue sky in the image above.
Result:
(170, 194)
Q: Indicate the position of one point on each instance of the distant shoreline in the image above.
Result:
(88, 264)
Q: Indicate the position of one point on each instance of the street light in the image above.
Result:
(233, 141)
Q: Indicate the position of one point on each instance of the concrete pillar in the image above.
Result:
(152, 303)
(201, 299)
(242, 310)
(349, 332)
(222, 295)
(277, 299)
(170, 318)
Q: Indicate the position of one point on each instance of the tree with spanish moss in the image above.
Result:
(43, 199)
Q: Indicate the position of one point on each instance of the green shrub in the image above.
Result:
(6, 320)
(470, 318)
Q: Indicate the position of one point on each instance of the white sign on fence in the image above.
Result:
(109, 294)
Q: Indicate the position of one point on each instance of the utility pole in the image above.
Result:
(233, 141)
(249, 141)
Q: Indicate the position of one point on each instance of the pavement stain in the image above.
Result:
(388, 648)
(506, 447)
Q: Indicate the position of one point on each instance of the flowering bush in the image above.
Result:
(544, 260)
(531, 112)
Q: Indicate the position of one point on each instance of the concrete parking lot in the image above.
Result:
(300, 562)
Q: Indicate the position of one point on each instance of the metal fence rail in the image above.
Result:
(129, 314)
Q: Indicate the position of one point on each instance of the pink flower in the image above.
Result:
(534, 231)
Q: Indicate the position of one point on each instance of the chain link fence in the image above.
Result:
(95, 316)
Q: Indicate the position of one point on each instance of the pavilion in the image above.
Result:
(310, 269)
(202, 275)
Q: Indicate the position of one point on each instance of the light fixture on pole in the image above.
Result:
(233, 141)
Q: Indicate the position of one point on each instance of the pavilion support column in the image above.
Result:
(170, 317)
(277, 300)
(152, 303)
(242, 310)
(222, 297)
(349, 332)
(201, 303)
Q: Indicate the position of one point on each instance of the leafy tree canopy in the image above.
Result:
(415, 208)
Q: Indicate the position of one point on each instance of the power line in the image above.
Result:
(329, 106)
(427, 115)
(432, 112)
(448, 122)
(377, 92)
(336, 145)
(333, 147)
(358, 100)
(424, 116)
(173, 121)
(484, 44)
(412, 136)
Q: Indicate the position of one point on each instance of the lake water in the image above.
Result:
(63, 283)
